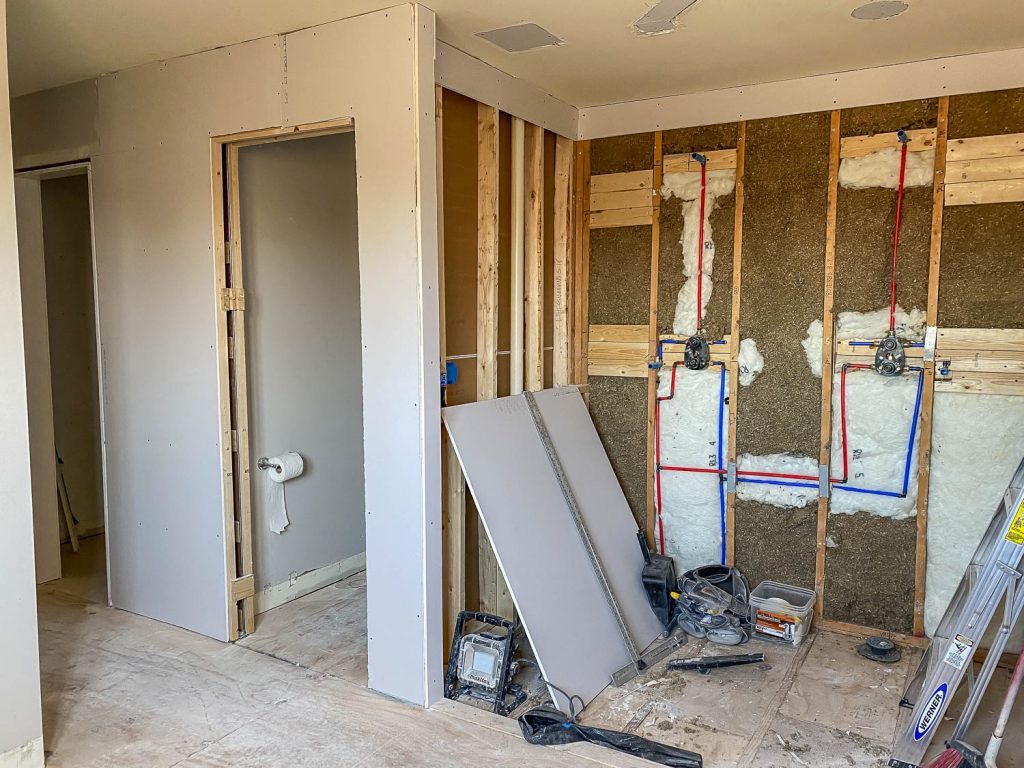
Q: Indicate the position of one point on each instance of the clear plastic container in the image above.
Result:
(781, 612)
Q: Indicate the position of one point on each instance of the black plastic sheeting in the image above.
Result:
(543, 725)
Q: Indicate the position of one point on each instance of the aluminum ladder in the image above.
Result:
(993, 578)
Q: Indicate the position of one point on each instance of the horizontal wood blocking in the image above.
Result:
(919, 140)
(859, 351)
(622, 350)
(986, 361)
(622, 217)
(622, 199)
(986, 169)
(717, 160)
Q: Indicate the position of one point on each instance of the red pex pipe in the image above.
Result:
(700, 241)
(896, 237)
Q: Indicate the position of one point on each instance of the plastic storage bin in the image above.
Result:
(781, 612)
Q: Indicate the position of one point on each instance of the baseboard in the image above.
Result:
(26, 756)
(310, 581)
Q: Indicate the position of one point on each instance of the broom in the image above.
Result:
(960, 755)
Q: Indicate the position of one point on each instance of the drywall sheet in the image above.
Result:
(555, 589)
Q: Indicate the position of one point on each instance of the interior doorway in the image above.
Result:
(58, 275)
(297, 379)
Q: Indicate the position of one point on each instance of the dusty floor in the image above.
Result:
(122, 690)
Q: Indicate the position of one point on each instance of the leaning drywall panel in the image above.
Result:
(37, 371)
(536, 541)
(21, 728)
(300, 250)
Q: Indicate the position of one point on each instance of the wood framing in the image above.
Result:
(581, 270)
(827, 345)
(562, 273)
(928, 392)
(985, 169)
(487, 310)
(717, 160)
(533, 295)
(652, 329)
(231, 354)
(622, 199)
(920, 140)
(734, 332)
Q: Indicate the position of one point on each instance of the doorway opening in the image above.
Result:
(294, 364)
(59, 306)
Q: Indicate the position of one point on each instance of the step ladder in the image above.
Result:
(991, 581)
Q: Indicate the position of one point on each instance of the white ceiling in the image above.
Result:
(719, 43)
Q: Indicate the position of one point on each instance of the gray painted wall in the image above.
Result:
(300, 254)
(21, 726)
(67, 245)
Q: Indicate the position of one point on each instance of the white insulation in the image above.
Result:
(691, 513)
(686, 186)
(863, 325)
(786, 496)
(977, 443)
(882, 169)
(879, 415)
(750, 362)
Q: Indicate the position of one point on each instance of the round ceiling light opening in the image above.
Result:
(880, 9)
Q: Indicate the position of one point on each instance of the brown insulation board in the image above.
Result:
(460, 240)
(618, 406)
(670, 252)
(869, 573)
(785, 207)
(620, 290)
(983, 245)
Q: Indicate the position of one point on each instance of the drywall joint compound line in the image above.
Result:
(577, 518)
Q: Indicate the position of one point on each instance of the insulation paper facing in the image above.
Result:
(977, 443)
(882, 169)
(686, 186)
(691, 508)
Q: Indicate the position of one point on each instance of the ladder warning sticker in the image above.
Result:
(959, 651)
(1016, 532)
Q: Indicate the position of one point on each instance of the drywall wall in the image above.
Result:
(300, 253)
(21, 728)
(158, 304)
(67, 238)
(37, 370)
(56, 126)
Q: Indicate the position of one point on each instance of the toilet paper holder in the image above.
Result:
(264, 463)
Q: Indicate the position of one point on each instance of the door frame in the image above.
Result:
(57, 171)
(231, 350)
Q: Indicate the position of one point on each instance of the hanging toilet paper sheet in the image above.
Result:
(283, 468)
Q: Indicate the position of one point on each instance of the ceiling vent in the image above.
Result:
(883, 9)
(521, 37)
(662, 17)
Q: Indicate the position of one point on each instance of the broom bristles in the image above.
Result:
(949, 758)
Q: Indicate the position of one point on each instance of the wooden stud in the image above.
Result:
(533, 295)
(581, 270)
(827, 346)
(928, 392)
(621, 217)
(984, 169)
(983, 192)
(951, 340)
(980, 147)
(241, 389)
(654, 196)
(487, 307)
(562, 295)
(734, 326)
(845, 628)
(717, 160)
(618, 182)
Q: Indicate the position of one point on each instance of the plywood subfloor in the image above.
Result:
(122, 690)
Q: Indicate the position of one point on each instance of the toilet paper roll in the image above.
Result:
(288, 465)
